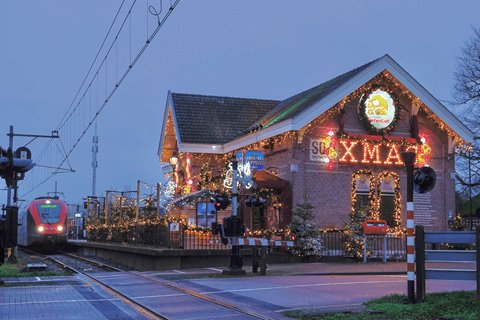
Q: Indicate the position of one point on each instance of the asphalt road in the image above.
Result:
(275, 294)
(269, 296)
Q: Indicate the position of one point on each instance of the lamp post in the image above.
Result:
(236, 261)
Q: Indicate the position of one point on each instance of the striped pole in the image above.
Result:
(408, 159)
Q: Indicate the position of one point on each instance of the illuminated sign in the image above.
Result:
(379, 111)
(244, 176)
(48, 206)
(363, 152)
(255, 158)
(324, 149)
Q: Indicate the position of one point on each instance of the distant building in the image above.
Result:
(337, 144)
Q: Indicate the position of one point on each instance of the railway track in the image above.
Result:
(93, 271)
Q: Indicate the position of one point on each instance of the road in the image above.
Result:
(267, 296)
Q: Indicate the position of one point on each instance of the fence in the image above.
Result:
(178, 237)
(449, 240)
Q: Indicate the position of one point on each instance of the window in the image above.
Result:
(206, 214)
(387, 205)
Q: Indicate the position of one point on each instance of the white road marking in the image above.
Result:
(299, 286)
(56, 301)
(178, 271)
(38, 278)
(112, 276)
(161, 273)
(160, 296)
(319, 307)
(40, 287)
(215, 269)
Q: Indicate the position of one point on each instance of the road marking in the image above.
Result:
(320, 307)
(40, 287)
(161, 273)
(300, 286)
(160, 296)
(178, 271)
(215, 269)
(56, 301)
(38, 278)
(111, 276)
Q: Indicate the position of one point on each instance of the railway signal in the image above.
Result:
(221, 202)
(424, 179)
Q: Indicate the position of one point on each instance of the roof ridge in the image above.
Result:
(222, 97)
(284, 108)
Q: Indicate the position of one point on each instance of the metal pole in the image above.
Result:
(470, 186)
(409, 159)
(158, 199)
(105, 210)
(236, 261)
(10, 164)
(234, 187)
(137, 207)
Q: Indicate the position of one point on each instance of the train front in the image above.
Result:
(49, 228)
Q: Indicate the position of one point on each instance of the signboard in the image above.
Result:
(362, 184)
(379, 110)
(324, 149)
(387, 185)
(255, 158)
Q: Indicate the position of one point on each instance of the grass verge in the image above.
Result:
(9, 270)
(446, 305)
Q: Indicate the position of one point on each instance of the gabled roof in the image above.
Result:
(213, 119)
(292, 106)
(201, 121)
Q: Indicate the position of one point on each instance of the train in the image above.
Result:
(43, 225)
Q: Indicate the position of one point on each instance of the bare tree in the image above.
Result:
(467, 100)
(467, 76)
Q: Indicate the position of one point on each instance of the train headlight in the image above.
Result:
(60, 228)
(41, 228)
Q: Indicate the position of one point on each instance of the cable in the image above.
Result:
(91, 66)
(112, 92)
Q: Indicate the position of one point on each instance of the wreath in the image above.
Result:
(375, 109)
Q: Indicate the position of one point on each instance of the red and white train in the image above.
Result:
(43, 224)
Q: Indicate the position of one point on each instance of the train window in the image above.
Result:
(49, 213)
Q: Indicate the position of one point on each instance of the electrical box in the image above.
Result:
(375, 227)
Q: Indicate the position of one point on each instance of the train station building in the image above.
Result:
(337, 145)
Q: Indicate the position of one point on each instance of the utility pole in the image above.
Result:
(94, 162)
(12, 169)
(236, 261)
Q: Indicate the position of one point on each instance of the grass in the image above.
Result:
(447, 305)
(9, 270)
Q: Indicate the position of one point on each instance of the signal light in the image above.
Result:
(60, 228)
(221, 202)
(424, 179)
(41, 229)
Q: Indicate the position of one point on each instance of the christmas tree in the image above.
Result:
(305, 232)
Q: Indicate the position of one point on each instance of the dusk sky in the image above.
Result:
(253, 49)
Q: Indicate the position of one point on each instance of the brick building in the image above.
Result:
(337, 144)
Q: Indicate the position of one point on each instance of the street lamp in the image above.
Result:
(174, 160)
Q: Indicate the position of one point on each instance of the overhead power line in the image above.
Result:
(72, 115)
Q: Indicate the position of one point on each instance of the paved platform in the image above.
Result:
(74, 297)
(58, 298)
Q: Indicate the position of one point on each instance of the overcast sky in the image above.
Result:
(255, 49)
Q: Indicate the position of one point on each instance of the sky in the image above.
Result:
(268, 49)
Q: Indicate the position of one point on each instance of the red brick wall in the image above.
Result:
(330, 190)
